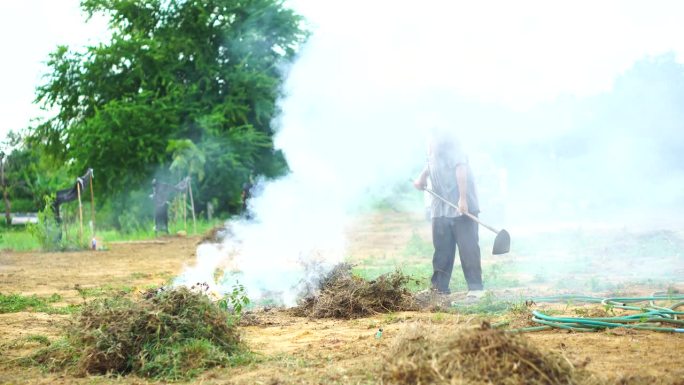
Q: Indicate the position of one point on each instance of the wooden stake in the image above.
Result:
(92, 204)
(64, 220)
(192, 206)
(185, 214)
(80, 213)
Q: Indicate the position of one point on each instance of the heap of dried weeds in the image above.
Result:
(174, 334)
(344, 295)
(480, 356)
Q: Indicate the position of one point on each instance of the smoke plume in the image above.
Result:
(570, 114)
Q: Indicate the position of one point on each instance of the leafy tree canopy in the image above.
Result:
(181, 86)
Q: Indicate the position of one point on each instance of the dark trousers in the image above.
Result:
(447, 235)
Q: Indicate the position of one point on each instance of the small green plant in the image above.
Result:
(438, 317)
(236, 300)
(520, 308)
(609, 308)
(582, 312)
(47, 230)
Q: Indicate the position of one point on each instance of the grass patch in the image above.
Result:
(17, 240)
(415, 260)
(103, 291)
(173, 335)
(487, 305)
(494, 276)
(14, 303)
(147, 231)
(20, 239)
(418, 247)
(21, 342)
(137, 275)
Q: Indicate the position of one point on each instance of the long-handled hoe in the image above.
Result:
(502, 242)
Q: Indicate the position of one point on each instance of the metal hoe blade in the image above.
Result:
(502, 243)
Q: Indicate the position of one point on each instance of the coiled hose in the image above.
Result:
(648, 316)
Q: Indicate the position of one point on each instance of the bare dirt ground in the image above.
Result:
(290, 350)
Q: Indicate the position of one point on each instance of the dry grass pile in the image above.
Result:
(344, 295)
(427, 355)
(172, 335)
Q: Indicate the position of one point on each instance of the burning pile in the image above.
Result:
(427, 355)
(174, 334)
(343, 295)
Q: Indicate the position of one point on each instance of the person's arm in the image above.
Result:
(421, 181)
(462, 181)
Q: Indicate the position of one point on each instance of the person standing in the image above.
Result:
(450, 177)
(246, 194)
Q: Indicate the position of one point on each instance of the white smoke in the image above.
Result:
(375, 76)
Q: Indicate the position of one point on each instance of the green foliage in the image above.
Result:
(236, 300)
(182, 360)
(179, 83)
(187, 158)
(13, 303)
(29, 175)
(48, 232)
(171, 335)
(20, 205)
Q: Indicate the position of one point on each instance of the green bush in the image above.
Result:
(48, 232)
(20, 205)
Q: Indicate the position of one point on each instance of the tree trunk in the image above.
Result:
(5, 196)
(8, 206)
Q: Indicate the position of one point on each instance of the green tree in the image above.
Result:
(29, 174)
(203, 72)
(187, 158)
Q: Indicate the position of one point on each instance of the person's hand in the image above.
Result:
(419, 185)
(462, 205)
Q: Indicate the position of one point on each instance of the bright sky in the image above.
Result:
(29, 31)
(512, 52)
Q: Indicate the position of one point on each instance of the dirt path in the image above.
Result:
(123, 265)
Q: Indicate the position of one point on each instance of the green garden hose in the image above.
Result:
(647, 314)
